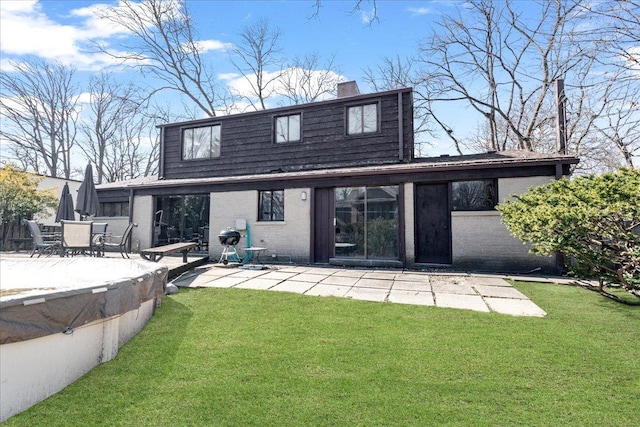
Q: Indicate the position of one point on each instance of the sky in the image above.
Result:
(62, 30)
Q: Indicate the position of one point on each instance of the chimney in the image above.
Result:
(346, 89)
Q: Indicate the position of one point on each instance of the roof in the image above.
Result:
(131, 183)
(355, 98)
(491, 160)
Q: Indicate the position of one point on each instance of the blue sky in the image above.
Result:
(61, 30)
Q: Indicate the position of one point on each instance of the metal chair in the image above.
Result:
(76, 238)
(39, 244)
(122, 244)
(98, 235)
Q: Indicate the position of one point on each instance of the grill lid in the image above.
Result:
(229, 237)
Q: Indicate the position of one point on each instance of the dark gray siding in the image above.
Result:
(247, 145)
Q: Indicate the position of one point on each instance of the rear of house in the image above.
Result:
(332, 182)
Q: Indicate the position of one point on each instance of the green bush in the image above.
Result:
(593, 220)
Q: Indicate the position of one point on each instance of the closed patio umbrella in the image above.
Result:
(87, 203)
(65, 207)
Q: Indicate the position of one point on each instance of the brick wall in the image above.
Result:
(480, 240)
(288, 240)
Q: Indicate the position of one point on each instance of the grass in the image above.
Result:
(230, 357)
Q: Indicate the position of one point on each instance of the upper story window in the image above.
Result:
(362, 119)
(481, 195)
(271, 205)
(201, 142)
(288, 128)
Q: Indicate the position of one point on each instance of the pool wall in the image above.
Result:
(72, 330)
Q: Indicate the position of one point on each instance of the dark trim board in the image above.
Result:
(331, 179)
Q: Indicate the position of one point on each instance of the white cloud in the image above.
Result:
(26, 30)
(229, 76)
(367, 17)
(240, 86)
(204, 46)
(419, 10)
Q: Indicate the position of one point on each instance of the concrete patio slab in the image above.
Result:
(278, 275)
(379, 275)
(367, 294)
(321, 270)
(293, 286)
(225, 282)
(292, 269)
(499, 291)
(218, 272)
(310, 277)
(422, 286)
(467, 302)
(442, 287)
(194, 281)
(349, 273)
(449, 279)
(410, 297)
(374, 283)
(487, 281)
(249, 273)
(328, 291)
(340, 281)
(258, 283)
(413, 277)
(515, 307)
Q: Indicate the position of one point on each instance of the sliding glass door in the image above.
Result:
(181, 219)
(366, 220)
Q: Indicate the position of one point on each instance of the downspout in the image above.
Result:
(161, 157)
(131, 199)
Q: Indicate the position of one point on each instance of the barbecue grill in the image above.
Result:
(229, 239)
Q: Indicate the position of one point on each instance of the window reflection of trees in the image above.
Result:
(183, 218)
(478, 195)
(366, 222)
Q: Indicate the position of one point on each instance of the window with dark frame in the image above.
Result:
(479, 195)
(271, 205)
(287, 128)
(201, 142)
(362, 119)
(111, 209)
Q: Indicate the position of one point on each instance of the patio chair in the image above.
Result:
(122, 244)
(40, 245)
(98, 233)
(76, 238)
(203, 242)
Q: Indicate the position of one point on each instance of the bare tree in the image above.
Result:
(38, 110)
(358, 6)
(257, 51)
(619, 123)
(502, 64)
(397, 73)
(165, 46)
(113, 127)
(306, 79)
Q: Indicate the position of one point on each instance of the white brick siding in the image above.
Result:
(287, 240)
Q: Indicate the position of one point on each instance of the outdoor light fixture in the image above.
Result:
(303, 195)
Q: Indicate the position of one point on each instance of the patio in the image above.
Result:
(459, 290)
(484, 293)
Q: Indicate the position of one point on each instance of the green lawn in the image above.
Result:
(230, 357)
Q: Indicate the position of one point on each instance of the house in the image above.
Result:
(333, 182)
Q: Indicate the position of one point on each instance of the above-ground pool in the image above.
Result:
(61, 317)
